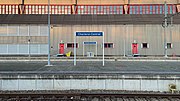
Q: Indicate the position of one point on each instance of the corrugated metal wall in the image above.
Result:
(23, 39)
(14, 38)
(120, 35)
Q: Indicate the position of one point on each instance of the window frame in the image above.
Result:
(169, 44)
(147, 45)
(110, 45)
(77, 45)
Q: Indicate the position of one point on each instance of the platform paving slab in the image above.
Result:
(91, 67)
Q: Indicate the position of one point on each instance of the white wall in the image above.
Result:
(88, 84)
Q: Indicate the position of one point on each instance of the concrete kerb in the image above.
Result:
(94, 59)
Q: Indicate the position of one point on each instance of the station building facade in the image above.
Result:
(126, 24)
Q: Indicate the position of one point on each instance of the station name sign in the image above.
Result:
(90, 43)
(89, 33)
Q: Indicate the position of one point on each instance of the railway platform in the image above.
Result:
(134, 74)
(130, 65)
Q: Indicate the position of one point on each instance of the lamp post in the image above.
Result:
(49, 62)
(165, 27)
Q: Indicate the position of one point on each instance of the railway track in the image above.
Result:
(86, 96)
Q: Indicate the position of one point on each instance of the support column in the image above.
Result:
(126, 9)
(126, 2)
(165, 29)
(74, 5)
(178, 8)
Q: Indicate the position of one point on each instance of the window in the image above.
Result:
(108, 45)
(169, 45)
(144, 45)
(71, 45)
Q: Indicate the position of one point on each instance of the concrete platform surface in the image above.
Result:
(157, 67)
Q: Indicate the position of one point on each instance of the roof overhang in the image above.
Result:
(87, 19)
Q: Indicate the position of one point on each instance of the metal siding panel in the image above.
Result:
(43, 48)
(169, 39)
(23, 30)
(51, 40)
(23, 49)
(142, 30)
(12, 30)
(12, 49)
(34, 49)
(110, 37)
(138, 36)
(130, 39)
(122, 33)
(43, 31)
(152, 34)
(56, 31)
(34, 30)
(175, 40)
(3, 30)
(3, 49)
(154, 38)
(160, 43)
(22, 39)
(39, 39)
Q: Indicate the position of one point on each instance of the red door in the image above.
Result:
(61, 48)
(134, 48)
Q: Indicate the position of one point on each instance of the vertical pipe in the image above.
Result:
(75, 49)
(96, 49)
(49, 63)
(125, 41)
(165, 25)
(83, 49)
(103, 48)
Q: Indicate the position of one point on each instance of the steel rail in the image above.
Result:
(80, 96)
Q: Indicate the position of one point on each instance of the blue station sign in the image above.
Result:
(90, 43)
(89, 33)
